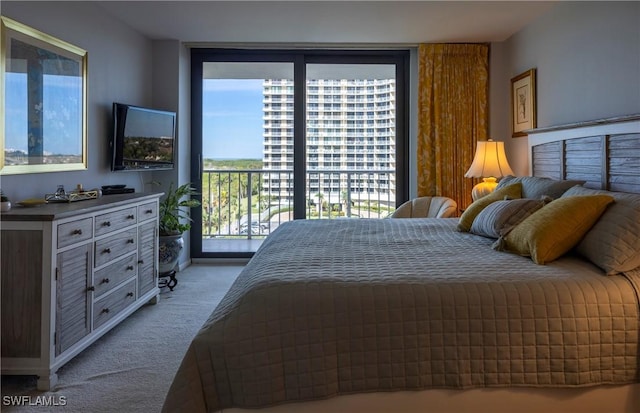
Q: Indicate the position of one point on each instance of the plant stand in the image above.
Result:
(168, 279)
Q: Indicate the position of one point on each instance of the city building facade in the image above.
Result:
(350, 139)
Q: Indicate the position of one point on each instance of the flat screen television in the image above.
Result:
(143, 138)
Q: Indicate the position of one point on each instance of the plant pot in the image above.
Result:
(169, 247)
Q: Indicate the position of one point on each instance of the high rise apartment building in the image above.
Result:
(350, 142)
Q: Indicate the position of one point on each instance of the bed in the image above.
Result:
(398, 315)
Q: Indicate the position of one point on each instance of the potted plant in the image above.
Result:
(173, 221)
(5, 204)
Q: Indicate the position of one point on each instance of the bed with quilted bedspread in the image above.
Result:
(336, 307)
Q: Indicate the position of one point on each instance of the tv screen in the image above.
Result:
(143, 138)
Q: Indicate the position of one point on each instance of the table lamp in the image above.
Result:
(489, 163)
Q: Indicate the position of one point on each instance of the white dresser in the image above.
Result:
(70, 272)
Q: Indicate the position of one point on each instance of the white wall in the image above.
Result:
(171, 91)
(587, 56)
(499, 118)
(119, 68)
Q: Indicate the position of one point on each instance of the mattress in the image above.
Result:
(334, 307)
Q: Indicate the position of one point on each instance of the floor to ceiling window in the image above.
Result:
(282, 135)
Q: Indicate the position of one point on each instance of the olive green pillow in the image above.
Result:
(513, 191)
(554, 229)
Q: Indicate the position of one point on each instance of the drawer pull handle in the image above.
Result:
(105, 281)
(129, 294)
(77, 232)
(106, 251)
(140, 262)
(92, 288)
(105, 311)
(149, 211)
(106, 224)
(130, 241)
(129, 267)
(131, 216)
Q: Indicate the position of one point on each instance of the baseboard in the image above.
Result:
(220, 261)
(183, 265)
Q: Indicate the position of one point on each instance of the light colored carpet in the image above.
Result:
(131, 368)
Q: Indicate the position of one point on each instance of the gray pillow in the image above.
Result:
(613, 243)
(535, 187)
(500, 217)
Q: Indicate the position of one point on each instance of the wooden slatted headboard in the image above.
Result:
(604, 153)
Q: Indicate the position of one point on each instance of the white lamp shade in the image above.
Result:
(490, 161)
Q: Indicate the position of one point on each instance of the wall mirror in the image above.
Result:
(44, 105)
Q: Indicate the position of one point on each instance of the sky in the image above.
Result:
(232, 119)
(61, 117)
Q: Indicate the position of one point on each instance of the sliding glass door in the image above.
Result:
(284, 135)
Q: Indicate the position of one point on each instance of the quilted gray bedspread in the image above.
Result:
(342, 306)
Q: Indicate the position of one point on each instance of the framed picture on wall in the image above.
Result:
(523, 103)
(45, 102)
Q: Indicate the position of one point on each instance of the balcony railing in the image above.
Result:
(245, 204)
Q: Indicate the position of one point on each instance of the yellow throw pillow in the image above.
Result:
(554, 229)
(513, 191)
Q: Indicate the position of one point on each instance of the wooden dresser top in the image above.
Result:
(59, 210)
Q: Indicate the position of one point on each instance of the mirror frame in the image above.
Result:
(12, 29)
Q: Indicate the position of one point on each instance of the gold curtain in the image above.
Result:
(453, 89)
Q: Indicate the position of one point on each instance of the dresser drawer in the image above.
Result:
(108, 307)
(112, 275)
(147, 211)
(75, 231)
(115, 220)
(112, 247)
